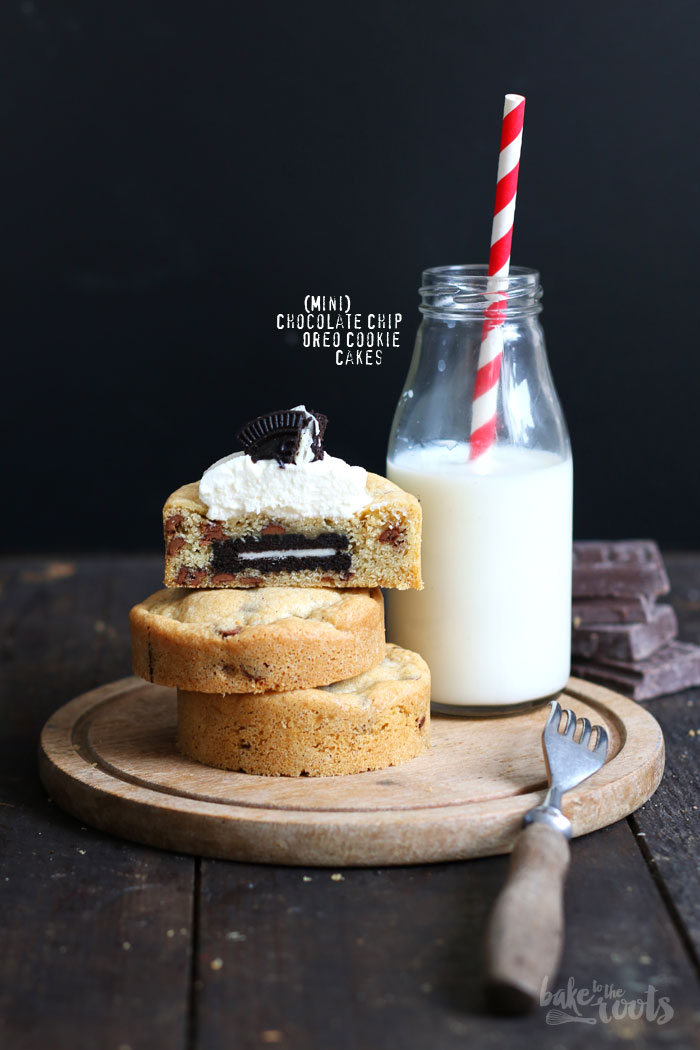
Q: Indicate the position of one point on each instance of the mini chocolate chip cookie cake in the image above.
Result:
(283, 513)
(379, 718)
(271, 624)
(242, 641)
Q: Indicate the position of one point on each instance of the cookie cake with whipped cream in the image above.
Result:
(271, 626)
(283, 512)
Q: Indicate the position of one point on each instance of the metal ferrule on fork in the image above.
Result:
(547, 813)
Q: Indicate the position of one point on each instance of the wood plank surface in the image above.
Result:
(378, 959)
(392, 958)
(95, 932)
(668, 826)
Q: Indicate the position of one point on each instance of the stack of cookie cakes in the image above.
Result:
(271, 625)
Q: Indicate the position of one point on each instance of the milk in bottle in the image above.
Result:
(494, 618)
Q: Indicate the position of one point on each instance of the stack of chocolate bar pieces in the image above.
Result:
(621, 637)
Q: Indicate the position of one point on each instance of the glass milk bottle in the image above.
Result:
(494, 618)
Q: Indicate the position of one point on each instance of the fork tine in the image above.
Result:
(554, 714)
(570, 723)
(601, 743)
(585, 732)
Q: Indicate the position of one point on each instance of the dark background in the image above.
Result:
(174, 175)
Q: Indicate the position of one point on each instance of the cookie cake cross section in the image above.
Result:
(283, 512)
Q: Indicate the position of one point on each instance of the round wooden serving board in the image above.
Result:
(109, 758)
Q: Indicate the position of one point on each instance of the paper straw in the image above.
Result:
(485, 396)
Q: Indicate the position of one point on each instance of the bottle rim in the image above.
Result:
(468, 288)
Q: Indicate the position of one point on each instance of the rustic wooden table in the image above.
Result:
(106, 944)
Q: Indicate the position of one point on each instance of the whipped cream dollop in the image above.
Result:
(323, 488)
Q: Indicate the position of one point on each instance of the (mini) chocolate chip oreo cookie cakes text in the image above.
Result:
(284, 513)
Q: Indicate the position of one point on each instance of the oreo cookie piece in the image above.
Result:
(286, 552)
(292, 435)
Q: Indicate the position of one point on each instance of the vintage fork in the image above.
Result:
(525, 935)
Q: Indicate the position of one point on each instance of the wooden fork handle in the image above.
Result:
(526, 932)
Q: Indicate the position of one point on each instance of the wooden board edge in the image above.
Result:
(358, 838)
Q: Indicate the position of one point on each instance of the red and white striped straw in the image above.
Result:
(485, 396)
